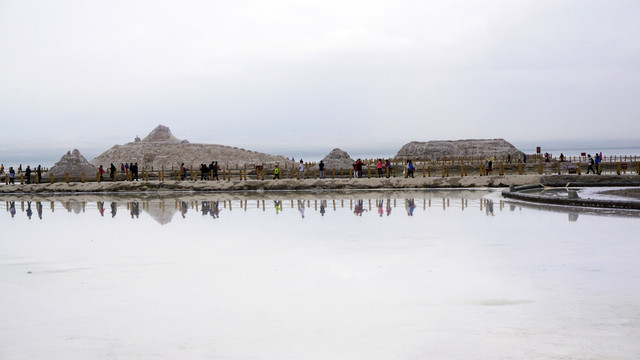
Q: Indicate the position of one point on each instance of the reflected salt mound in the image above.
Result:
(159, 213)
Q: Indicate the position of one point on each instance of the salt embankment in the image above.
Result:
(275, 185)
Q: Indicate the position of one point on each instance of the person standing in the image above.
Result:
(387, 166)
(39, 172)
(101, 171)
(321, 169)
(112, 170)
(597, 161)
(135, 172)
(379, 167)
(28, 174)
(12, 175)
(301, 167)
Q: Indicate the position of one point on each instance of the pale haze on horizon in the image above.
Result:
(268, 75)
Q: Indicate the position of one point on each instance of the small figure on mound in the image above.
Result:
(276, 173)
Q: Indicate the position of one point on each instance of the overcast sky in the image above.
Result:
(317, 74)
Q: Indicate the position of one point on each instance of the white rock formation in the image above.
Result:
(161, 149)
(74, 164)
(437, 149)
(338, 159)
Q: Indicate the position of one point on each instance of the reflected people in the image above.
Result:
(359, 208)
(489, 208)
(135, 209)
(114, 209)
(380, 204)
(215, 211)
(100, 205)
(301, 207)
(205, 208)
(323, 205)
(29, 211)
(183, 208)
(277, 205)
(39, 209)
(411, 205)
(388, 207)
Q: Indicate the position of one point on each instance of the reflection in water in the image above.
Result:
(306, 204)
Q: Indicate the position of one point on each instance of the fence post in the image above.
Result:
(333, 173)
(51, 178)
(540, 168)
(559, 169)
(578, 170)
(519, 169)
(617, 168)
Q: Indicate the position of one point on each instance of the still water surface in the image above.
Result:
(454, 274)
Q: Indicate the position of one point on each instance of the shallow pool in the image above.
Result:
(438, 274)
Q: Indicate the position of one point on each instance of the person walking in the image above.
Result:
(591, 162)
(276, 173)
(597, 163)
(410, 168)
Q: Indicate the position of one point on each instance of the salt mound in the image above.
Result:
(74, 164)
(338, 159)
(437, 149)
(161, 149)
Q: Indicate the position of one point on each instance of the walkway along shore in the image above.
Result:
(471, 181)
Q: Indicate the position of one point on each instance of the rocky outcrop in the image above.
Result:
(161, 149)
(338, 159)
(74, 164)
(436, 149)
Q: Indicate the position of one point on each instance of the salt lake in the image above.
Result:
(438, 274)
